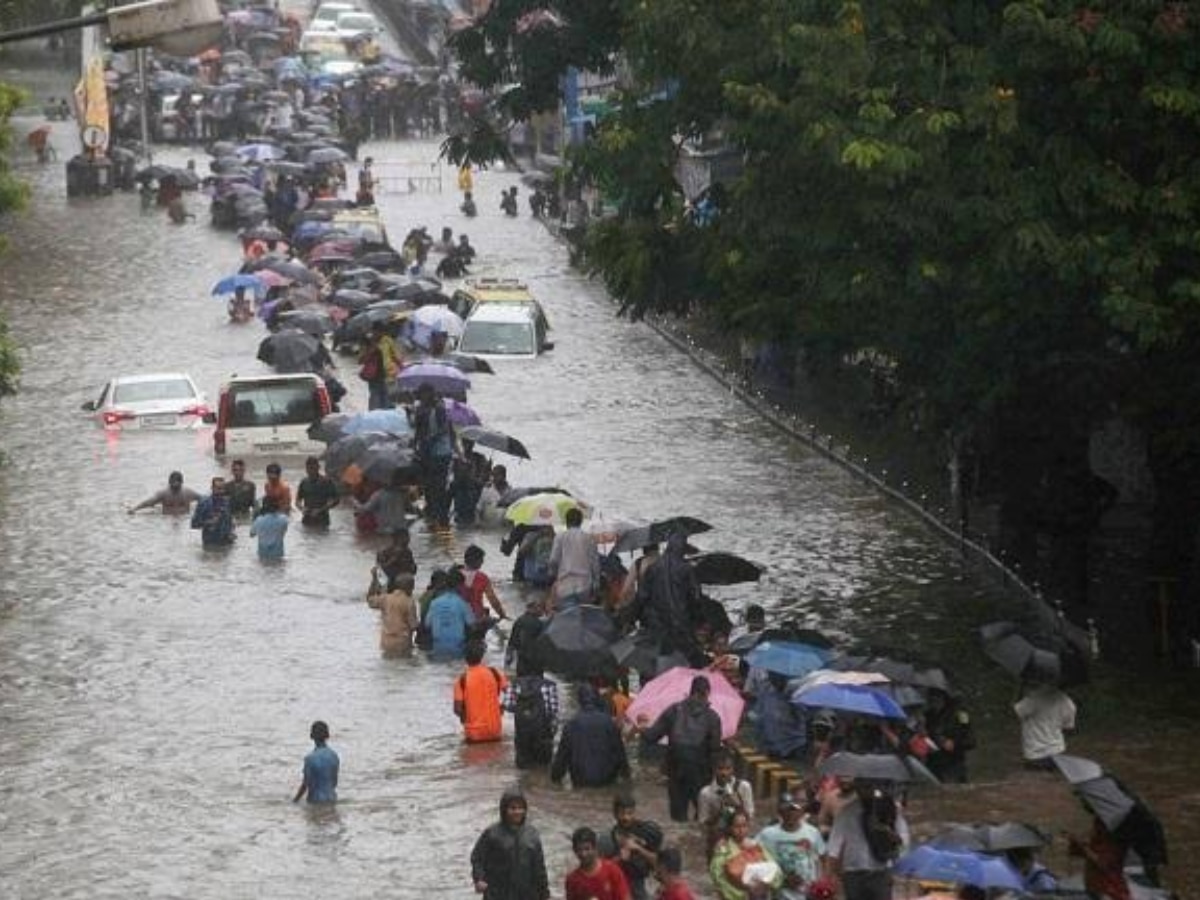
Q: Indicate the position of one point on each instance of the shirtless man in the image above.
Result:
(175, 499)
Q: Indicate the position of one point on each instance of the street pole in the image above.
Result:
(144, 112)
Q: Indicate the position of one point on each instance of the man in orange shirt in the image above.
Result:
(477, 697)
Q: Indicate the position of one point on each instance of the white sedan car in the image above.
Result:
(168, 400)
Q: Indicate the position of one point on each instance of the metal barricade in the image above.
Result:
(407, 177)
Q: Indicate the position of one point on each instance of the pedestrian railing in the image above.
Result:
(404, 178)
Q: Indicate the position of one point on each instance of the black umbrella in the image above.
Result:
(295, 271)
(310, 321)
(512, 495)
(576, 642)
(658, 532)
(725, 568)
(263, 233)
(877, 767)
(382, 260)
(154, 173)
(1018, 656)
(289, 351)
(641, 652)
(326, 155)
(356, 327)
(494, 440)
(351, 300)
(352, 448)
(988, 838)
(1123, 813)
(381, 462)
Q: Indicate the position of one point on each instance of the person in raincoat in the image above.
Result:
(507, 862)
(668, 603)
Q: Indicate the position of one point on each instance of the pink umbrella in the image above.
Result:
(460, 414)
(673, 685)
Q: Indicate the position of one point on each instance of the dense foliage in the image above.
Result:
(998, 199)
(12, 196)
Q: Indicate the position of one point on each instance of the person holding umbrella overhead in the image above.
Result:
(434, 446)
(869, 832)
(693, 732)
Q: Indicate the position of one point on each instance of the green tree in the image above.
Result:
(13, 194)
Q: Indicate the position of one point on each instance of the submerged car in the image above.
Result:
(165, 400)
(505, 331)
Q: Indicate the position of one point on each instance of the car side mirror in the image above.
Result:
(88, 406)
(209, 418)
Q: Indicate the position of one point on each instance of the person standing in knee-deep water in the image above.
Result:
(321, 767)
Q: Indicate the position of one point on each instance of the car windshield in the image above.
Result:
(149, 391)
(498, 337)
(356, 22)
(258, 405)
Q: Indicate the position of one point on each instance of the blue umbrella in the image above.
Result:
(391, 421)
(231, 283)
(787, 658)
(260, 152)
(957, 867)
(850, 698)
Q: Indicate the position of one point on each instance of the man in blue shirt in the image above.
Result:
(269, 527)
(320, 769)
(213, 518)
(448, 619)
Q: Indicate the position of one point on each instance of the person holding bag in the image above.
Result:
(741, 867)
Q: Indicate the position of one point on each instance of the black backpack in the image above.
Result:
(879, 827)
(529, 712)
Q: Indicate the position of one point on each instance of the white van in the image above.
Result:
(270, 414)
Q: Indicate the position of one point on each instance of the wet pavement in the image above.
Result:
(155, 699)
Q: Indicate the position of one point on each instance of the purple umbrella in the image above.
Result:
(460, 414)
(443, 379)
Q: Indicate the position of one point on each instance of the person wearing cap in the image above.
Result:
(693, 732)
(321, 767)
(174, 499)
(796, 844)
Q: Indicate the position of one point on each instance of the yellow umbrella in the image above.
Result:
(542, 509)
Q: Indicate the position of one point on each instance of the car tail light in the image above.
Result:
(198, 410)
(225, 406)
(324, 403)
(116, 416)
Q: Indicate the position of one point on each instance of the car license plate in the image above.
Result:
(158, 420)
(281, 445)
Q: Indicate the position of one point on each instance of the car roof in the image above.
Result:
(503, 312)
(156, 376)
(271, 379)
(491, 289)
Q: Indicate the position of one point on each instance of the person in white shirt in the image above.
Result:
(1045, 713)
(862, 862)
(575, 562)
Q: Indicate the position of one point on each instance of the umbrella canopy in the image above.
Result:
(389, 421)
(381, 462)
(263, 233)
(289, 351)
(230, 283)
(788, 659)
(352, 300)
(295, 271)
(259, 152)
(827, 676)
(1017, 655)
(357, 326)
(460, 414)
(326, 156)
(675, 684)
(443, 379)
(349, 450)
(725, 568)
(988, 838)
(438, 318)
(494, 440)
(658, 532)
(310, 321)
(876, 767)
(960, 867)
(850, 698)
(576, 641)
(541, 509)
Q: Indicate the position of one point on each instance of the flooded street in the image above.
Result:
(155, 699)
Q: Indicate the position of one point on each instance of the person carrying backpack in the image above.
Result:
(533, 700)
(869, 832)
(590, 748)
